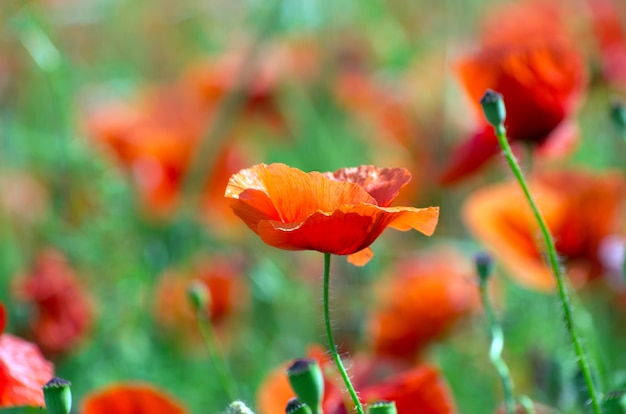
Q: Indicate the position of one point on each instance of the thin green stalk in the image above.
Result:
(495, 351)
(331, 341)
(581, 356)
(222, 372)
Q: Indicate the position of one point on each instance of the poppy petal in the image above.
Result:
(383, 184)
(361, 258)
(346, 230)
(130, 398)
(23, 371)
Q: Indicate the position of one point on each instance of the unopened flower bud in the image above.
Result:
(484, 265)
(295, 406)
(618, 115)
(382, 407)
(58, 396)
(494, 109)
(199, 297)
(307, 381)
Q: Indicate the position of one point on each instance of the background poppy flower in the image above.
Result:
(23, 370)
(223, 280)
(130, 398)
(62, 313)
(420, 301)
(419, 390)
(541, 78)
(294, 210)
(580, 208)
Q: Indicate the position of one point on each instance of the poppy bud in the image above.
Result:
(199, 297)
(307, 381)
(382, 407)
(484, 265)
(238, 407)
(295, 406)
(618, 115)
(58, 396)
(494, 109)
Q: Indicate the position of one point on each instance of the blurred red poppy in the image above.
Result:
(419, 390)
(541, 75)
(581, 209)
(223, 280)
(23, 370)
(130, 398)
(611, 39)
(62, 309)
(341, 213)
(421, 302)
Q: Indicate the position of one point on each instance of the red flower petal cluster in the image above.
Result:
(23, 370)
(580, 208)
(63, 312)
(340, 213)
(130, 398)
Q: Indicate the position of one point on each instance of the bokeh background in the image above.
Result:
(121, 121)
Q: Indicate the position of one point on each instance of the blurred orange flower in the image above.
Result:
(580, 208)
(421, 302)
(340, 213)
(223, 280)
(23, 370)
(419, 390)
(130, 398)
(541, 75)
(63, 312)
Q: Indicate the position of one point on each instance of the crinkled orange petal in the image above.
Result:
(23, 371)
(361, 258)
(130, 398)
(383, 184)
(419, 391)
(500, 218)
(346, 230)
(280, 192)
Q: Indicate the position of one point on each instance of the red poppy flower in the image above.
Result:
(227, 291)
(580, 208)
(130, 398)
(419, 390)
(541, 79)
(63, 312)
(421, 302)
(23, 370)
(611, 38)
(330, 213)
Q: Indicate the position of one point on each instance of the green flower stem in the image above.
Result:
(222, 372)
(556, 270)
(495, 351)
(331, 341)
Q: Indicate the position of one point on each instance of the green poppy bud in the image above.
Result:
(382, 407)
(58, 396)
(307, 381)
(494, 109)
(295, 406)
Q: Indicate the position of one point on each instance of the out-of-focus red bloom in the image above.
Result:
(611, 38)
(580, 208)
(419, 390)
(421, 302)
(130, 398)
(541, 76)
(23, 370)
(223, 280)
(340, 213)
(62, 309)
